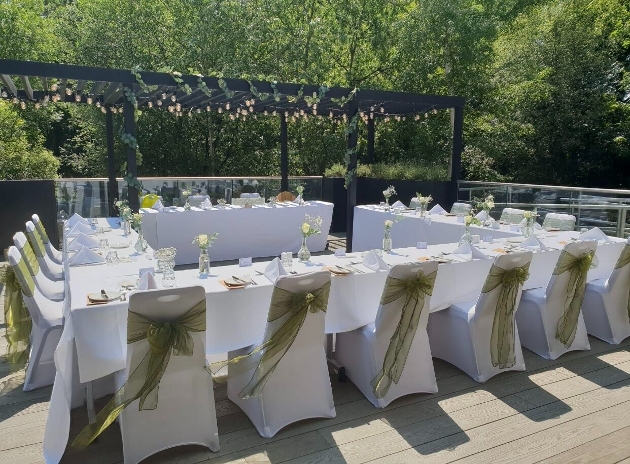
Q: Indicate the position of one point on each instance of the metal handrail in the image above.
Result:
(120, 179)
(538, 186)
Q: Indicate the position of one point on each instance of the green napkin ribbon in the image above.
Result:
(578, 267)
(16, 316)
(288, 310)
(413, 290)
(502, 339)
(622, 261)
(165, 338)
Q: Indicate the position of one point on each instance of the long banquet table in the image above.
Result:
(434, 229)
(93, 344)
(254, 232)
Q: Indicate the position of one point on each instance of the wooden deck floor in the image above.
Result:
(575, 409)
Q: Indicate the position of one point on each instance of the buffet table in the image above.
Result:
(259, 231)
(434, 229)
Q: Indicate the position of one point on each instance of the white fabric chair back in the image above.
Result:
(461, 208)
(512, 215)
(53, 253)
(250, 195)
(559, 221)
(49, 289)
(197, 200)
(618, 283)
(252, 201)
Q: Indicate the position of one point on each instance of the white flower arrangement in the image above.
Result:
(221, 202)
(424, 200)
(311, 225)
(136, 221)
(299, 189)
(389, 191)
(487, 204)
(204, 241)
(186, 193)
(530, 214)
(470, 220)
(388, 225)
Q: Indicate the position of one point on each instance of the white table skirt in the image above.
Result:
(435, 229)
(259, 231)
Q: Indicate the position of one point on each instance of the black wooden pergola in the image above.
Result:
(119, 90)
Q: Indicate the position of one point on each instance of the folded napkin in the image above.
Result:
(147, 282)
(298, 199)
(274, 270)
(206, 203)
(85, 256)
(375, 262)
(158, 206)
(482, 215)
(399, 204)
(467, 251)
(80, 241)
(594, 234)
(533, 243)
(437, 209)
(80, 228)
(75, 219)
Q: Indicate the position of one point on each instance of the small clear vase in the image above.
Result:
(141, 244)
(487, 222)
(423, 210)
(304, 254)
(126, 227)
(528, 228)
(387, 207)
(204, 262)
(387, 241)
(467, 237)
(187, 205)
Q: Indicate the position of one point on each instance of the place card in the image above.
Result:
(144, 270)
(339, 253)
(421, 245)
(244, 262)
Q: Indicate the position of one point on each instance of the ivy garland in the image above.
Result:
(131, 97)
(228, 93)
(201, 85)
(276, 95)
(343, 100)
(262, 96)
(177, 77)
(294, 99)
(133, 181)
(145, 88)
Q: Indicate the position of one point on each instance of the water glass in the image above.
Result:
(287, 261)
(94, 223)
(112, 257)
(168, 278)
(103, 245)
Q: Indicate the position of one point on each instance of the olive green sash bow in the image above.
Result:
(622, 261)
(288, 311)
(17, 319)
(578, 267)
(143, 383)
(414, 291)
(502, 339)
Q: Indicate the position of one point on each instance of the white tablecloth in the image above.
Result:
(435, 229)
(236, 318)
(259, 231)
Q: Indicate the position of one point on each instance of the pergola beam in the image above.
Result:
(111, 92)
(97, 88)
(80, 86)
(8, 82)
(27, 86)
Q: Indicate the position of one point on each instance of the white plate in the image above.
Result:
(236, 283)
(98, 297)
(515, 239)
(119, 245)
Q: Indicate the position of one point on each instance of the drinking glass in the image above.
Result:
(287, 260)
(103, 245)
(112, 257)
(168, 278)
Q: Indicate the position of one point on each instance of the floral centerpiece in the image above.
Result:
(529, 217)
(486, 205)
(136, 223)
(311, 226)
(469, 220)
(186, 194)
(387, 239)
(125, 213)
(221, 202)
(388, 193)
(423, 202)
(300, 191)
(204, 241)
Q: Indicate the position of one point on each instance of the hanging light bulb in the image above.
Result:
(163, 96)
(371, 115)
(314, 106)
(314, 112)
(417, 117)
(190, 114)
(173, 98)
(361, 113)
(178, 106)
(37, 105)
(103, 110)
(251, 109)
(198, 110)
(98, 104)
(231, 117)
(253, 101)
(89, 100)
(77, 98)
(150, 104)
(266, 113)
(301, 112)
(387, 119)
(53, 88)
(292, 118)
(171, 109)
(286, 114)
(382, 110)
(15, 101)
(426, 115)
(68, 91)
(4, 94)
(274, 113)
(247, 103)
(220, 110)
(227, 106)
(159, 103)
(330, 114)
(434, 111)
(208, 108)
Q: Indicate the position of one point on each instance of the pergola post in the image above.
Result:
(111, 165)
(284, 154)
(370, 140)
(351, 166)
(132, 165)
(457, 120)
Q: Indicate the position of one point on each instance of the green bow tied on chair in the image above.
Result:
(287, 313)
(164, 338)
(577, 267)
(414, 291)
(502, 338)
(16, 317)
(623, 261)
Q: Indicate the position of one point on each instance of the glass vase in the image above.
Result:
(204, 262)
(387, 207)
(387, 241)
(528, 228)
(126, 227)
(304, 254)
(187, 205)
(141, 244)
(487, 220)
(423, 210)
(467, 237)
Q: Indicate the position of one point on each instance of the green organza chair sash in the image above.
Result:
(41, 230)
(577, 267)
(289, 311)
(502, 339)
(36, 243)
(623, 261)
(30, 258)
(165, 338)
(413, 290)
(17, 319)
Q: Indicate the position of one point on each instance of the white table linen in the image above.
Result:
(435, 229)
(259, 231)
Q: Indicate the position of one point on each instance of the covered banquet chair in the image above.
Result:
(480, 336)
(512, 215)
(51, 269)
(54, 254)
(53, 290)
(391, 357)
(285, 196)
(559, 221)
(461, 208)
(549, 319)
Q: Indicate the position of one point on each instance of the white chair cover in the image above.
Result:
(462, 334)
(47, 319)
(54, 254)
(559, 221)
(186, 410)
(50, 269)
(363, 351)
(197, 200)
(605, 306)
(252, 201)
(512, 215)
(299, 387)
(250, 195)
(461, 208)
(541, 310)
(53, 290)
